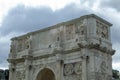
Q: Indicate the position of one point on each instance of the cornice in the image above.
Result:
(16, 60)
(97, 47)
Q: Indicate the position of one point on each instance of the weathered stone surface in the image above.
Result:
(79, 49)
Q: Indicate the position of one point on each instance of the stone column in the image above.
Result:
(28, 67)
(59, 67)
(84, 65)
(12, 75)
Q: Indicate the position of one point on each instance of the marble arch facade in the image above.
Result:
(79, 49)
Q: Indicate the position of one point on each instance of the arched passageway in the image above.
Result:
(46, 74)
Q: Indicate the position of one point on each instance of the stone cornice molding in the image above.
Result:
(97, 47)
(27, 57)
(96, 17)
(16, 60)
(101, 48)
(59, 51)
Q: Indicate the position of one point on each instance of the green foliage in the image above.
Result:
(116, 74)
(1, 73)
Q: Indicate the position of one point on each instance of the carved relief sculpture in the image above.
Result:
(101, 30)
(78, 68)
(68, 69)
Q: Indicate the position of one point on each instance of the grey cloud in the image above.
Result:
(26, 19)
(115, 35)
(4, 50)
(116, 58)
(23, 19)
(111, 3)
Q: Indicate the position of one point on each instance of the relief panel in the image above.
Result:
(101, 67)
(80, 28)
(101, 30)
(23, 44)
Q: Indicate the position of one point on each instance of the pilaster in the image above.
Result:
(28, 66)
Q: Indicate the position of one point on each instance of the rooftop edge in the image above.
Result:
(62, 23)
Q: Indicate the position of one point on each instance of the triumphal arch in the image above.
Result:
(79, 49)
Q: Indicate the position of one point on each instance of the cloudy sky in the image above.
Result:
(21, 16)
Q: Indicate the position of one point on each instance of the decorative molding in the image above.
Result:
(16, 60)
(98, 47)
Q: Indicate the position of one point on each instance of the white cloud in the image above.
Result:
(116, 66)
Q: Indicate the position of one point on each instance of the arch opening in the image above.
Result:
(46, 74)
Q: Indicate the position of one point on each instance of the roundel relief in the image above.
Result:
(68, 69)
(73, 68)
(78, 68)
